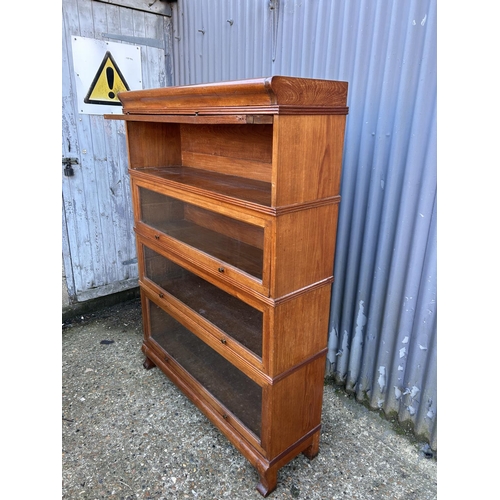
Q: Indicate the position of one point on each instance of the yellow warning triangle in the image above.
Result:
(107, 82)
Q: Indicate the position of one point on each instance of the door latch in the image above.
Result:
(68, 169)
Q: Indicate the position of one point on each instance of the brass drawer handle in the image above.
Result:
(221, 269)
(223, 341)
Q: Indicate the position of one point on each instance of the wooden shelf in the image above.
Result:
(229, 188)
(249, 119)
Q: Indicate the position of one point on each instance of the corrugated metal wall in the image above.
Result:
(382, 343)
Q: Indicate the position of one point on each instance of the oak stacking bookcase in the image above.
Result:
(235, 189)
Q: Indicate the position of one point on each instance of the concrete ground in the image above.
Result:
(129, 433)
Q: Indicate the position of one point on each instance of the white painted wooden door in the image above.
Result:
(99, 253)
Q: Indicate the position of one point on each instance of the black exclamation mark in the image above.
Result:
(110, 76)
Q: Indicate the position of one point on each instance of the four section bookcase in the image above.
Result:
(235, 189)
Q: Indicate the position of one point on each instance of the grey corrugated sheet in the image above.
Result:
(382, 342)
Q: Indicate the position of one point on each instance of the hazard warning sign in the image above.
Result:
(107, 83)
(102, 70)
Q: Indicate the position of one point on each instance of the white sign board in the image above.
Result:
(102, 69)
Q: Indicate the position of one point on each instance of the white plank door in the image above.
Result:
(99, 253)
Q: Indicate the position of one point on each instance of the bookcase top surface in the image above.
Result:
(270, 95)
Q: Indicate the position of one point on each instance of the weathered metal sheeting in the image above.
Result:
(382, 342)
